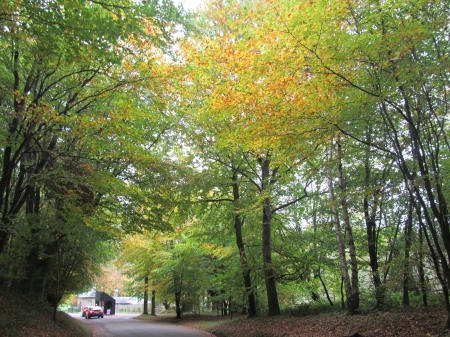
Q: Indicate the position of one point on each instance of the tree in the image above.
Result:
(63, 88)
(247, 92)
(400, 51)
(351, 283)
(146, 296)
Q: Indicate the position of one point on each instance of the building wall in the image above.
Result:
(132, 308)
(85, 302)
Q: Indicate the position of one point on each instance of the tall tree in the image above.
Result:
(401, 50)
(63, 86)
(351, 282)
(250, 92)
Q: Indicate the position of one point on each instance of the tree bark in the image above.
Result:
(371, 228)
(178, 303)
(353, 300)
(269, 271)
(406, 264)
(424, 178)
(55, 306)
(351, 292)
(238, 222)
(146, 295)
(178, 284)
(421, 271)
(153, 302)
(324, 287)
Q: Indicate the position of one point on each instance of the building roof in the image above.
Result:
(89, 294)
(102, 296)
(119, 300)
(129, 300)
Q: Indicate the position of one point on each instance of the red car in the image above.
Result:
(94, 312)
(85, 309)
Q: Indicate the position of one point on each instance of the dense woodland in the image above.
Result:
(255, 155)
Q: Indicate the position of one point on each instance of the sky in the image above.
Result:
(190, 4)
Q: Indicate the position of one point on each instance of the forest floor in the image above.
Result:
(22, 318)
(19, 317)
(404, 322)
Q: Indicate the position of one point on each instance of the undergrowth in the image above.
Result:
(21, 317)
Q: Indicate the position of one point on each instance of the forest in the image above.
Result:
(254, 156)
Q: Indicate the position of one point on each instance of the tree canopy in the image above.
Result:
(279, 150)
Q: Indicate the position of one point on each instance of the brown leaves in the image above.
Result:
(20, 317)
(416, 322)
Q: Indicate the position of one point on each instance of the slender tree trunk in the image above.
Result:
(244, 305)
(352, 299)
(371, 228)
(426, 168)
(430, 235)
(146, 295)
(45, 267)
(32, 262)
(9, 160)
(153, 302)
(178, 283)
(224, 308)
(324, 287)
(423, 288)
(55, 308)
(178, 303)
(238, 222)
(373, 261)
(269, 272)
(406, 265)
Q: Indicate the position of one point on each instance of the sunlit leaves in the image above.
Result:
(253, 79)
(82, 91)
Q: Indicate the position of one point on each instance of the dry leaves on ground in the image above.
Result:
(410, 322)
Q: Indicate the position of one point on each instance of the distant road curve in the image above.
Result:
(124, 325)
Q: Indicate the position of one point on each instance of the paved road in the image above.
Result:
(125, 326)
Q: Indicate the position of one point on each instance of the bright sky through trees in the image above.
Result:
(191, 5)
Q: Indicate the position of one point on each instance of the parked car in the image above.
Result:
(94, 312)
(83, 313)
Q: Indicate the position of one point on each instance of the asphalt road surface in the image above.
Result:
(123, 325)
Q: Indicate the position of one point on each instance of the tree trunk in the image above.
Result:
(371, 228)
(153, 302)
(178, 284)
(352, 298)
(55, 306)
(45, 267)
(224, 308)
(324, 287)
(269, 272)
(229, 307)
(178, 303)
(423, 175)
(238, 222)
(423, 288)
(28, 285)
(146, 295)
(406, 265)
